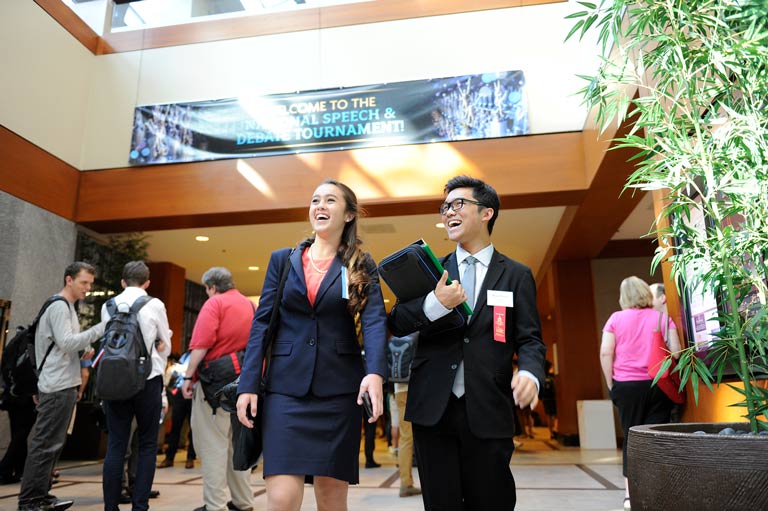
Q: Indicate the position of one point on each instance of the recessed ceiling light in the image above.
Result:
(386, 300)
(253, 268)
(201, 238)
(440, 225)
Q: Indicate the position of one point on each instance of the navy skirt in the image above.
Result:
(312, 436)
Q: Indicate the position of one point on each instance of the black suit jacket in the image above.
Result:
(487, 363)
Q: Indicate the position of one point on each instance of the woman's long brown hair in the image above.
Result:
(352, 256)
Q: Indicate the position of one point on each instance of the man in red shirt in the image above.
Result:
(220, 334)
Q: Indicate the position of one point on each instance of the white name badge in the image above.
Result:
(500, 298)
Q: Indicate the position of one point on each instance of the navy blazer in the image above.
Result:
(488, 365)
(316, 349)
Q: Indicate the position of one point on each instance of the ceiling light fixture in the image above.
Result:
(253, 268)
(201, 238)
(440, 225)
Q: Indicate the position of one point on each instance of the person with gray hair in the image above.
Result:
(217, 346)
(218, 278)
(659, 297)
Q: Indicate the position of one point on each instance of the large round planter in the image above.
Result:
(670, 468)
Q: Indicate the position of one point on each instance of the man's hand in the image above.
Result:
(85, 374)
(245, 401)
(449, 295)
(186, 389)
(373, 383)
(524, 391)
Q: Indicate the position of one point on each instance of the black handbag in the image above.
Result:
(217, 373)
(247, 442)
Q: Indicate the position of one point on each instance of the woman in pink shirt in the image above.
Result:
(624, 354)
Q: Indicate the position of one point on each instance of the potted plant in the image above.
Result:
(693, 75)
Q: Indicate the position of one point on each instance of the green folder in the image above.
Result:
(428, 250)
(413, 272)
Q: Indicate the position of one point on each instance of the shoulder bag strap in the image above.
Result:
(48, 303)
(135, 308)
(273, 318)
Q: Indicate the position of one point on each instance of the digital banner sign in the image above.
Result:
(468, 107)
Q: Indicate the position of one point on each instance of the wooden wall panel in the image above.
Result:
(578, 348)
(526, 172)
(605, 206)
(629, 248)
(167, 284)
(33, 175)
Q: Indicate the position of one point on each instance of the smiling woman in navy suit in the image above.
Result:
(316, 376)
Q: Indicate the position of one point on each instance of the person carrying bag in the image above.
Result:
(669, 380)
(247, 443)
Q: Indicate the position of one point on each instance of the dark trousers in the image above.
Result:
(145, 406)
(639, 403)
(46, 442)
(459, 471)
(370, 439)
(181, 411)
(22, 417)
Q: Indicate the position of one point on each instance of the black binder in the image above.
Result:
(413, 272)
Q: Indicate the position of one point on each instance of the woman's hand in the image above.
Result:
(244, 402)
(372, 383)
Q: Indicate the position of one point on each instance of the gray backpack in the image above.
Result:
(400, 353)
(123, 363)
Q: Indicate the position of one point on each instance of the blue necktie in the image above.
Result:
(468, 282)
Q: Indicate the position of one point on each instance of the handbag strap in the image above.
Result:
(665, 332)
(273, 318)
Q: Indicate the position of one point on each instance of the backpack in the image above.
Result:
(19, 365)
(400, 353)
(123, 363)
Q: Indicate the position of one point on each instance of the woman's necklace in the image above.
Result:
(312, 262)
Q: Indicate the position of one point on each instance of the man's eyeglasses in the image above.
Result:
(457, 204)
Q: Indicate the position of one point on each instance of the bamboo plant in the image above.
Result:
(693, 74)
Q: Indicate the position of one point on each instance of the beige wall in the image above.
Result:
(44, 82)
(95, 96)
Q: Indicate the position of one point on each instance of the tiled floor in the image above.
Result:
(549, 477)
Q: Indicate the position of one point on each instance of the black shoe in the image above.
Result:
(153, 494)
(61, 505)
(9, 479)
(232, 507)
(372, 464)
(48, 503)
(125, 497)
(201, 508)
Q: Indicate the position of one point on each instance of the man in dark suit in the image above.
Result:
(463, 389)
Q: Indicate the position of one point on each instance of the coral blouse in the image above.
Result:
(312, 276)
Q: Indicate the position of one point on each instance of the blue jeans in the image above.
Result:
(145, 406)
